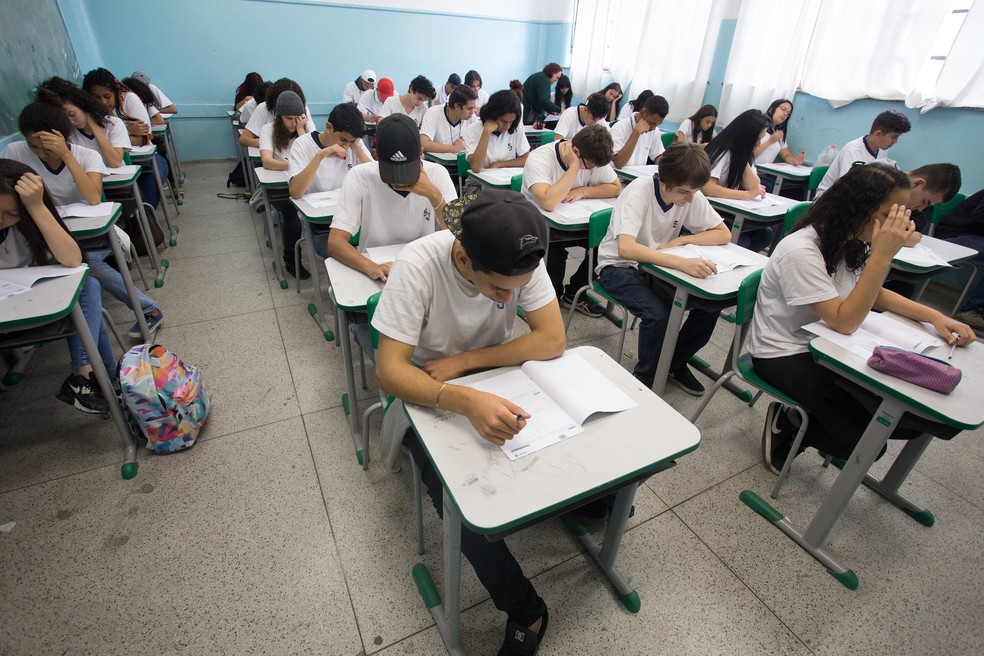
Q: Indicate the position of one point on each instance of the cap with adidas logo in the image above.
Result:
(398, 149)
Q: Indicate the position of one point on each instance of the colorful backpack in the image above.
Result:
(165, 398)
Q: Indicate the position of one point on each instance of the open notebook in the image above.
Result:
(726, 259)
(559, 395)
(18, 281)
(878, 330)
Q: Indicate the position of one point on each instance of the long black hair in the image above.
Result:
(841, 213)
(248, 86)
(696, 134)
(784, 126)
(641, 99)
(143, 91)
(103, 78)
(56, 90)
(738, 140)
(501, 102)
(563, 99)
(10, 172)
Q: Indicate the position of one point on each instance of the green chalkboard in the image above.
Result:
(34, 46)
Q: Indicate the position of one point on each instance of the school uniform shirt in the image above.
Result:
(15, 252)
(853, 151)
(115, 131)
(331, 171)
(502, 145)
(442, 96)
(162, 100)
(483, 98)
(648, 146)
(135, 109)
(687, 129)
(640, 212)
(394, 106)
(246, 111)
(544, 165)
(439, 129)
(428, 304)
(626, 111)
(384, 215)
(261, 116)
(794, 277)
(352, 93)
(59, 182)
(570, 123)
(722, 169)
(369, 103)
(266, 143)
(768, 156)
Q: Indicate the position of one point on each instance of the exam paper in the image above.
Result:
(643, 171)
(501, 176)
(384, 254)
(84, 210)
(877, 330)
(920, 255)
(18, 281)
(581, 209)
(322, 198)
(725, 259)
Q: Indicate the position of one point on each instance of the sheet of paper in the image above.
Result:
(753, 204)
(725, 259)
(501, 176)
(126, 169)
(84, 210)
(877, 330)
(592, 393)
(642, 171)
(383, 254)
(920, 255)
(8, 289)
(581, 209)
(322, 198)
(142, 150)
(25, 277)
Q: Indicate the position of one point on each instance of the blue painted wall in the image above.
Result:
(204, 48)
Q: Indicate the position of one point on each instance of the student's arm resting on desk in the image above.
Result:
(515, 162)
(248, 139)
(715, 189)
(431, 146)
(340, 249)
(66, 250)
(89, 183)
(950, 329)
(625, 150)
(630, 249)
(270, 163)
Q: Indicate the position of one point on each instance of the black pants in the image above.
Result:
(511, 591)
(839, 409)
(291, 227)
(557, 268)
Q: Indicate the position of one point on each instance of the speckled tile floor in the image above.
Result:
(268, 538)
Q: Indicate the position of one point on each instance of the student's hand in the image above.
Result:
(53, 142)
(800, 159)
(778, 135)
(953, 331)
(488, 127)
(495, 418)
(673, 243)
(138, 128)
(572, 160)
(888, 236)
(755, 192)
(444, 369)
(380, 271)
(333, 151)
(914, 238)
(422, 187)
(642, 127)
(697, 267)
(574, 195)
(301, 128)
(31, 190)
(458, 145)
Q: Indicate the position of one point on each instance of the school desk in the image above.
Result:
(759, 217)
(147, 156)
(496, 497)
(274, 187)
(97, 226)
(447, 160)
(961, 409)
(498, 178)
(533, 135)
(784, 171)
(172, 150)
(47, 303)
(919, 273)
(715, 292)
(315, 216)
(241, 154)
(630, 173)
(124, 185)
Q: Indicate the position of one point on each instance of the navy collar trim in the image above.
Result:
(874, 154)
(448, 118)
(557, 153)
(666, 207)
(51, 170)
(583, 124)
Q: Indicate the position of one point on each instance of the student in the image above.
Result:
(964, 225)
(473, 276)
(648, 218)
(353, 90)
(516, 87)
(264, 111)
(563, 95)
(832, 268)
(146, 96)
(613, 92)
(413, 103)
(454, 81)
(884, 133)
(392, 201)
(92, 125)
(249, 106)
(371, 102)
(591, 112)
(773, 144)
(537, 102)
(699, 128)
(474, 80)
(633, 106)
(247, 90)
(637, 139)
(31, 232)
(732, 172)
(72, 174)
(443, 125)
(161, 101)
(321, 162)
(567, 171)
(496, 139)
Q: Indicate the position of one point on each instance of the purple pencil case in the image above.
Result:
(915, 368)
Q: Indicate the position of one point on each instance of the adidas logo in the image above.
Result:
(398, 157)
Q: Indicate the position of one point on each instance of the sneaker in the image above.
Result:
(777, 437)
(153, 323)
(686, 380)
(585, 306)
(973, 318)
(289, 268)
(83, 394)
(520, 641)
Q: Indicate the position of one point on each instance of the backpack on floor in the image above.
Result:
(164, 397)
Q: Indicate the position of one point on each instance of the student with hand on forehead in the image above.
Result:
(637, 139)
(496, 140)
(354, 90)
(444, 125)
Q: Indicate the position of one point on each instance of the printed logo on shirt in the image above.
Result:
(501, 305)
(676, 222)
(508, 146)
(398, 157)
(427, 214)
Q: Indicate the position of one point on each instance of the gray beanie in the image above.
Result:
(289, 104)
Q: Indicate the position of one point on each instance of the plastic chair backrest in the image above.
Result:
(792, 215)
(516, 183)
(816, 175)
(371, 304)
(747, 291)
(941, 210)
(547, 136)
(598, 226)
(126, 157)
(667, 138)
(463, 165)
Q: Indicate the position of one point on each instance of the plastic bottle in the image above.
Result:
(828, 155)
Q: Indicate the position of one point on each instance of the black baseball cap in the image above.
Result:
(500, 230)
(398, 149)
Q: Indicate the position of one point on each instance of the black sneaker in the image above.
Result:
(687, 381)
(777, 437)
(520, 641)
(83, 394)
(289, 268)
(585, 306)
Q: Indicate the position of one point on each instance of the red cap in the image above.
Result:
(384, 87)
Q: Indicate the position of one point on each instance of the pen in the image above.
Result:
(952, 348)
(520, 417)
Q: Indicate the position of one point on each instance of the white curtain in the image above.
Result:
(960, 80)
(767, 54)
(870, 49)
(591, 28)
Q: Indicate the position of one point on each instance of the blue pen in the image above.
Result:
(519, 417)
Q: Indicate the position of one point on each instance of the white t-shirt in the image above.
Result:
(853, 151)
(427, 303)
(331, 170)
(369, 103)
(383, 215)
(135, 109)
(794, 277)
(722, 169)
(394, 106)
(59, 183)
(648, 146)
(261, 116)
(162, 100)
(626, 111)
(14, 250)
(115, 131)
(639, 212)
(266, 143)
(570, 123)
(502, 146)
(483, 97)
(441, 97)
(437, 127)
(687, 129)
(544, 165)
(769, 155)
(352, 93)
(246, 111)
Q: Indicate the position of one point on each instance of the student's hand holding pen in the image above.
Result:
(755, 192)
(458, 145)
(697, 267)
(495, 418)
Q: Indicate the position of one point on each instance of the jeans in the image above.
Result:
(147, 184)
(112, 282)
(557, 268)
(650, 300)
(754, 239)
(90, 300)
(975, 297)
(511, 591)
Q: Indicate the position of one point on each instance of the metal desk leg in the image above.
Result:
(447, 615)
(680, 298)
(350, 400)
(316, 309)
(159, 265)
(274, 239)
(736, 228)
(160, 190)
(173, 148)
(889, 485)
(778, 186)
(129, 468)
(131, 291)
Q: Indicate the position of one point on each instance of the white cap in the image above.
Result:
(368, 75)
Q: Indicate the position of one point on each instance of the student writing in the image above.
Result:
(593, 111)
(444, 125)
(413, 103)
(699, 127)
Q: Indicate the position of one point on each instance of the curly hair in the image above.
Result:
(841, 213)
(66, 92)
(501, 103)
